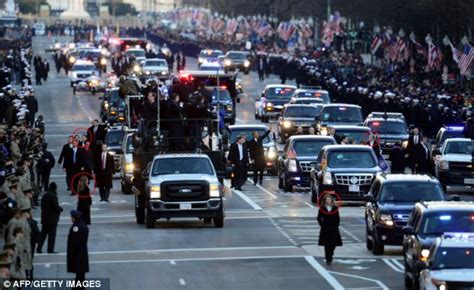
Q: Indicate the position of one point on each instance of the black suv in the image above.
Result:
(427, 221)
(113, 107)
(225, 103)
(114, 140)
(298, 159)
(339, 114)
(390, 129)
(390, 201)
(346, 169)
(236, 60)
(294, 116)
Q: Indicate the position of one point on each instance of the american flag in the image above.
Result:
(402, 49)
(434, 56)
(264, 28)
(376, 43)
(418, 46)
(285, 30)
(231, 26)
(466, 58)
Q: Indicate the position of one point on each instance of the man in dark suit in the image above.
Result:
(104, 169)
(50, 212)
(96, 133)
(413, 140)
(77, 253)
(397, 159)
(239, 158)
(74, 162)
(421, 156)
(62, 157)
(257, 155)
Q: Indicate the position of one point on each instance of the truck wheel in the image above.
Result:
(207, 220)
(408, 280)
(415, 283)
(140, 215)
(368, 243)
(149, 220)
(377, 247)
(219, 219)
(93, 92)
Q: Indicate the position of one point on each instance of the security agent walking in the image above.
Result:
(328, 220)
(257, 155)
(104, 168)
(77, 253)
(421, 156)
(50, 212)
(239, 158)
(74, 162)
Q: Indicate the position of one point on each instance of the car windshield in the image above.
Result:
(91, 54)
(182, 165)
(114, 138)
(280, 93)
(113, 96)
(224, 95)
(84, 67)
(234, 133)
(314, 94)
(439, 223)
(309, 147)
(410, 192)
(341, 114)
(453, 258)
(355, 137)
(156, 63)
(351, 159)
(388, 127)
(301, 112)
(459, 147)
(129, 144)
(136, 53)
(236, 55)
(210, 53)
(308, 102)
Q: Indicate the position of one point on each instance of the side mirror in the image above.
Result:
(408, 230)
(455, 197)
(420, 265)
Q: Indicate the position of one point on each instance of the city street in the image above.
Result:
(269, 240)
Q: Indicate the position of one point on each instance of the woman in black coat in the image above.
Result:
(84, 201)
(328, 220)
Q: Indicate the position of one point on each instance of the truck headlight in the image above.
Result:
(405, 144)
(111, 153)
(136, 68)
(292, 167)
(103, 61)
(163, 73)
(440, 284)
(200, 59)
(269, 106)
(147, 72)
(72, 59)
(227, 62)
(129, 167)
(106, 105)
(386, 219)
(443, 164)
(287, 124)
(327, 178)
(425, 253)
(155, 191)
(246, 63)
(271, 153)
(214, 190)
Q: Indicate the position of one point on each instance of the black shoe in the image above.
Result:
(39, 251)
(261, 183)
(328, 262)
(254, 184)
(53, 252)
(68, 189)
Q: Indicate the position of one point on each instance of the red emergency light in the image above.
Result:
(376, 124)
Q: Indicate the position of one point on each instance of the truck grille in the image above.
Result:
(184, 190)
(307, 165)
(401, 219)
(353, 179)
(461, 166)
(83, 76)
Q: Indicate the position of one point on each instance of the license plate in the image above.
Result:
(469, 180)
(185, 206)
(354, 188)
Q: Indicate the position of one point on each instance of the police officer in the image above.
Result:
(77, 253)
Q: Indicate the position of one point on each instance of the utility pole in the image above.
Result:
(329, 8)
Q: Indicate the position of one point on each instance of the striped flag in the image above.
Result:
(466, 58)
(434, 56)
(376, 43)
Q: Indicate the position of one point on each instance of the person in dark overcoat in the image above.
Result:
(397, 159)
(413, 140)
(257, 155)
(175, 111)
(74, 162)
(77, 253)
(104, 168)
(84, 199)
(50, 212)
(328, 220)
(239, 159)
(421, 156)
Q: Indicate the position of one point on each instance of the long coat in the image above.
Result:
(84, 203)
(398, 160)
(50, 209)
(329, 223)
(77, 254)
(103, 176)
(421, 158)
(257, 152)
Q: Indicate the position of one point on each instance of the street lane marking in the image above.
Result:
(396, 266)
(172, 262)
(323, 272)
(378, 282)
(254, 205)
(308, 204)
(351, 234)
(182, 282)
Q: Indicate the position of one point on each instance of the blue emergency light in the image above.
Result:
(455, 128)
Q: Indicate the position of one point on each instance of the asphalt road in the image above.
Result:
(269, 241)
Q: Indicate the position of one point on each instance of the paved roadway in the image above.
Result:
(269, 240)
